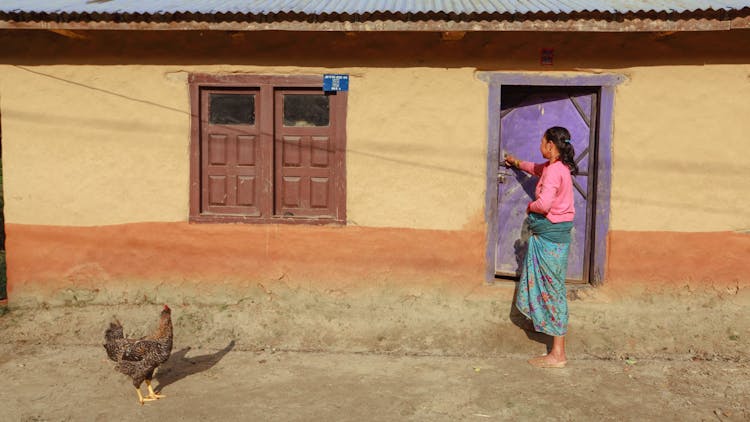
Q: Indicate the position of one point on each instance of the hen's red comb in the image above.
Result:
(166, 308)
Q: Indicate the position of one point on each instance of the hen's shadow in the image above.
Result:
(179, 366)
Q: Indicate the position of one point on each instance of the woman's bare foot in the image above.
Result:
(548, 361)
(555, 358)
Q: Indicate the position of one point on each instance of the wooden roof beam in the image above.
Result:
(572, 25)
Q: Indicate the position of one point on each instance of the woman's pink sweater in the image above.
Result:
(554, 191)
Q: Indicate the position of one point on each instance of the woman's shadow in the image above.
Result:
(520, 320)
(179, 366)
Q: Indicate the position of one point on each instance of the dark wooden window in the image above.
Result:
(266, 149)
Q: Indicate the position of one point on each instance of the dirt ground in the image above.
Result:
(76, 383)
(657, 359)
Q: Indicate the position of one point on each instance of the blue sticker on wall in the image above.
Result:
(335, 82)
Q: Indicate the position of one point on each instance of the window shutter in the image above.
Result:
(231, 164)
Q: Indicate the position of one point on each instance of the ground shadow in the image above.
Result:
(179, 366)
(520, 320)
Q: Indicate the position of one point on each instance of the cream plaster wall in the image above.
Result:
(98, 145)
(417, 146)
(681, 145)
(89, 145)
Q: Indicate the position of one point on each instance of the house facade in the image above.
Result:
(193, 157)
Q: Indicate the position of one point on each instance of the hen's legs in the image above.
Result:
(142, 399)
(151, 394)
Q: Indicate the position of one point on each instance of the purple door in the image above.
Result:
(526, 112)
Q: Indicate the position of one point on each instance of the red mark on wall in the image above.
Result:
(547, 56)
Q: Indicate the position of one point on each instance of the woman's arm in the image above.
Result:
(531, 168)
(527, 166)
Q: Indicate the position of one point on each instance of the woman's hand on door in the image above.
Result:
(511, 161)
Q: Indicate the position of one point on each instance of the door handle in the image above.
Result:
(501, 177)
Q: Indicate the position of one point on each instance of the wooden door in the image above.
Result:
(526, 112)
(305, 148)
(233, 167)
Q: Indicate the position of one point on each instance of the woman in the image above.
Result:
(541, 290)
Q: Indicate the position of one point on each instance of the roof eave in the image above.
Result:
(706, 20)
(577, 25)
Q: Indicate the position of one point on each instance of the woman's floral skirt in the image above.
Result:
(541, 290)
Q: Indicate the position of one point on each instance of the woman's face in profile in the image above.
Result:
(544, 147)
(548, 149)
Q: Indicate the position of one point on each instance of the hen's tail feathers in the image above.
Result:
(113, 333)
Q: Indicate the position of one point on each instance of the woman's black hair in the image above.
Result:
(561, 137)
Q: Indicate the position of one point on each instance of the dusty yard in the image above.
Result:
(75, 383)
(291, 355)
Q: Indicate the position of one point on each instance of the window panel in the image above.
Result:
(217, 190)
(217, 149)
(292, 155)
(246, 146)
(304, 110)
(319, 192)
(291, 191)
(320, 151)
(246, 190)
(232, 109)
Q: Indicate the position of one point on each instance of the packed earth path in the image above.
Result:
(77, 383)
(55, 369)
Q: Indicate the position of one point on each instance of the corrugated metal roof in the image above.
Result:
(360, 7)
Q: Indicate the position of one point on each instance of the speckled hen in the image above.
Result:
(139, 358)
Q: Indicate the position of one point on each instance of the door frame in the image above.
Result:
(606, 84)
